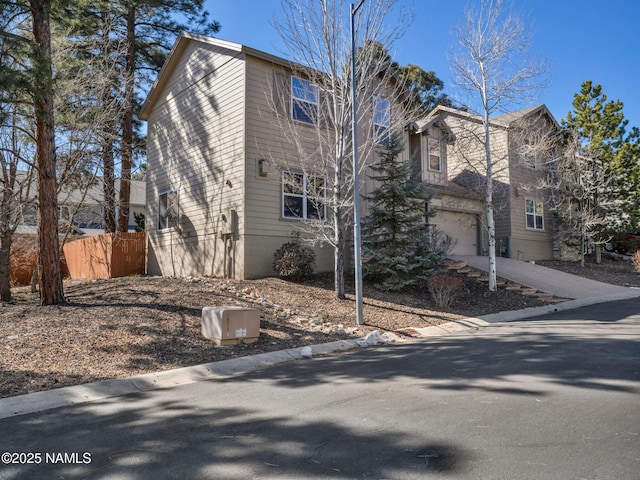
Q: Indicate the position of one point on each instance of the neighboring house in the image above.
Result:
(449, 157)
(84, 208)
(221, 198)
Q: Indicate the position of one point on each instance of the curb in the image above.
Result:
(89, 392)
(78, 394)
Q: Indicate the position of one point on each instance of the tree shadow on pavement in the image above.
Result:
(563, 348)
(174, 439)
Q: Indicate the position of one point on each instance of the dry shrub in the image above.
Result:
(443, 288)
(24, 255)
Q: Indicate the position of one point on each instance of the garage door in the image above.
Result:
(460, 226)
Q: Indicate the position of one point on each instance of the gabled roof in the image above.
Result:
(179, 48)
(505, 120)
(511, 117)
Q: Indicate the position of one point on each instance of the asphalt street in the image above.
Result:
(554, 397)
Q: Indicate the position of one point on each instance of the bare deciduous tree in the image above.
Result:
(16, 184)
(580, 179)
(491, 66)
(316, 35)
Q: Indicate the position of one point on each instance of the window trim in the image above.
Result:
(429, 139)
(533, 214)
(311, 105)
(381, 131)
(169, 226)
(306, 198)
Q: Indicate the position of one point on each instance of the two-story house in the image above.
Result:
(220, 199)
(447, 152)
(224, 185)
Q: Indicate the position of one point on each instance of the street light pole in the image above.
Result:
(356, 194)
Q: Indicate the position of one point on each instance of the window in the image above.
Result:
(535, 214)
(381, 119)
(168, 210)
(529, 154)
(30, 216)
(304, 101)
(435, 154)
(303, 197)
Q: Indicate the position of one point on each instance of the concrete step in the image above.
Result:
(529, 291)
(545, 297)
(455, 264)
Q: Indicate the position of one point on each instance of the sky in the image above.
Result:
(579, 39)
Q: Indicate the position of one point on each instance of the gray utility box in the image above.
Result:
(231, 325)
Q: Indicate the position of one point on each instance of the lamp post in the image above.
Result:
(356, 190)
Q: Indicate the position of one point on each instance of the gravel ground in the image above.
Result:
(123, 327)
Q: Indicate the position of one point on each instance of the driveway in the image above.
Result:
(548, 280)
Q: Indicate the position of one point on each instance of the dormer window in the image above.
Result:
(434, 154)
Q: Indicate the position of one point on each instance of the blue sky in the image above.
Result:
(580, 39)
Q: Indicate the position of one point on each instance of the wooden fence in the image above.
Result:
(106, 256)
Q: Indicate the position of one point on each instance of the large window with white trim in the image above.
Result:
(381, 119)
(168, 210)
(303, 196)
(534, 210)
(305, 101)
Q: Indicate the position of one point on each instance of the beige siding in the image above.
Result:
(269, 137)
(195, 147)
(527, 243)
(467, 164)
(259, 251)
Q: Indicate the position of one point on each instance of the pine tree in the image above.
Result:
(600, 131)
(396, 249)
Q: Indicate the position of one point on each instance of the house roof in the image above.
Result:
(178, 49)
(93, 195)
(505, 120)
(455, 189)
(511, 117)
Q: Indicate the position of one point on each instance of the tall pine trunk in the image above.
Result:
(50, 278)
(127, 126)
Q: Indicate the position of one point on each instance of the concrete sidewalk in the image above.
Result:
(548, 280)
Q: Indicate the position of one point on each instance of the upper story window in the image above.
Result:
(303, 196)
(434, 154)
(381, 119)
(534, 210)
(529, 154)
(168, 210)
(304, 101)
